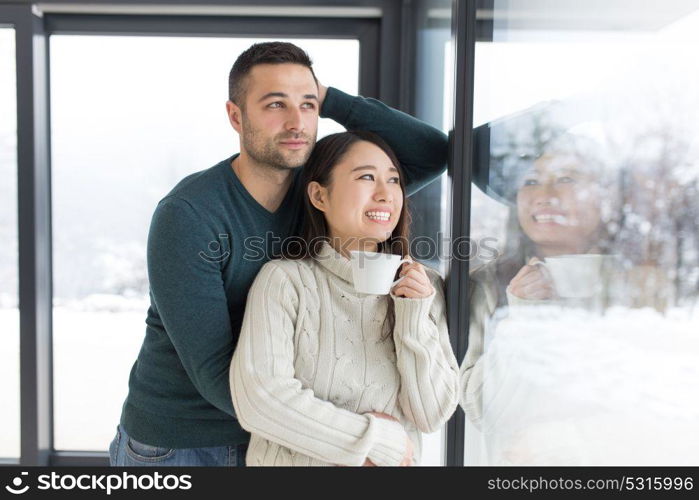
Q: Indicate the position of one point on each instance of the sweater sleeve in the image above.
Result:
(273, 404)
(190, 298)
(471, 372)
(421, 149)
(428, 369)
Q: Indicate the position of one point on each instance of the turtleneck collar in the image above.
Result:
(334, 262)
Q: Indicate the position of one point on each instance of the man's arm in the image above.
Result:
(189, 295)
(421, 149)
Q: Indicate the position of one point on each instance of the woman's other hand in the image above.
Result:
(415, 283)
(409, 449)
(532, 282)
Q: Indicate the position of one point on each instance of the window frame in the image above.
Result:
(382, 65)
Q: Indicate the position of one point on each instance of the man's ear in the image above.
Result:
(235, 116)
(318, 195)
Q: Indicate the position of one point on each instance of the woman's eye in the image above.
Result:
(530, 182)
(368, 177)
(394, 179)
(565, 180)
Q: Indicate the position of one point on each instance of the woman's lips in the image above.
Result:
(378, 216)
(550, 218)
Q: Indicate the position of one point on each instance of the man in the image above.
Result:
(179, 409)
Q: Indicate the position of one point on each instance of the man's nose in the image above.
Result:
(294, 121)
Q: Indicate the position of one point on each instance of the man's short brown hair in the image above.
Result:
(263, 53)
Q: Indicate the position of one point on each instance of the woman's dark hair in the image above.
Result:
(327, 153)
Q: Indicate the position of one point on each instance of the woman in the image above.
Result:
(324, 375)
(559, 210)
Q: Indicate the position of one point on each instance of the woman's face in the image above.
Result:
(364, 200)
(558, 206)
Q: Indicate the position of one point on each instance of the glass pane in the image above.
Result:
(584, 330)
(9, 272)
(433, 104)
(131, 116)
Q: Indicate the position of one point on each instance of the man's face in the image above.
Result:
(279, 122)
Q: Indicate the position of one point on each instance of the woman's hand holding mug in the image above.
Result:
(532, 282)
(413, 283)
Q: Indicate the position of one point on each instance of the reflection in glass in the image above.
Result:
(131, 116)
(433, 104)
(583, 342)
(9, 288)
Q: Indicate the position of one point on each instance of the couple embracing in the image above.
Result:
(283, 361)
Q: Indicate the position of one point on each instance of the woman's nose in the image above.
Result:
(547, 195)
(383, 195)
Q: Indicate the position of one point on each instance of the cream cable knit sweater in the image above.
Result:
(311, 361)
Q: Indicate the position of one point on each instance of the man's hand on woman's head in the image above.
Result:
(322, 92)
(415, 284)
(532, 282)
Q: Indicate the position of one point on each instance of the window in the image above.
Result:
(583, 331)
(131, 116)
(433, 103)
(9, 289)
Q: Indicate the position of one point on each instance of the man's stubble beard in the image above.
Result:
(267, 153)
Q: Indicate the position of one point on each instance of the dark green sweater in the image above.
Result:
(207, 241)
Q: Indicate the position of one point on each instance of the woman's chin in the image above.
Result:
(380, 238)
(371, 239)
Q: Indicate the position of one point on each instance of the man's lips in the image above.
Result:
(294, 144)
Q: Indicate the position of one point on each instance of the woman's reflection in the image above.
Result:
(554, 256)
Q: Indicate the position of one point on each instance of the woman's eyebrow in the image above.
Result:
(372, 167)
(563, 170)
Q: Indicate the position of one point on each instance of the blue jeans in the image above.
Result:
(124, 451)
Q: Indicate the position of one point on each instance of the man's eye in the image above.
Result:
(368, 177)
(308, 105)
(276, 104)
(565, 180)
(530, 182)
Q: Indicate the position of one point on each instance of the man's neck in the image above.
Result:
(266, 184)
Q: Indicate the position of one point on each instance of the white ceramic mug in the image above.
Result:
(575, 276)
(373, 272)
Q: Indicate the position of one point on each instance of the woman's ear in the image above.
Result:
(318, 195)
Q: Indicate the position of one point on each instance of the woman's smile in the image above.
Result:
(378, 216)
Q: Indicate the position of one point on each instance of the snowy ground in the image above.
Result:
(575, 388)
(93, 354)
(616, 389)
(9, 388)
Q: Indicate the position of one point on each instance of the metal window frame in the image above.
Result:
(34, 233)
(364, 30)
(383, 65)
(460, 166)
(387, 52)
